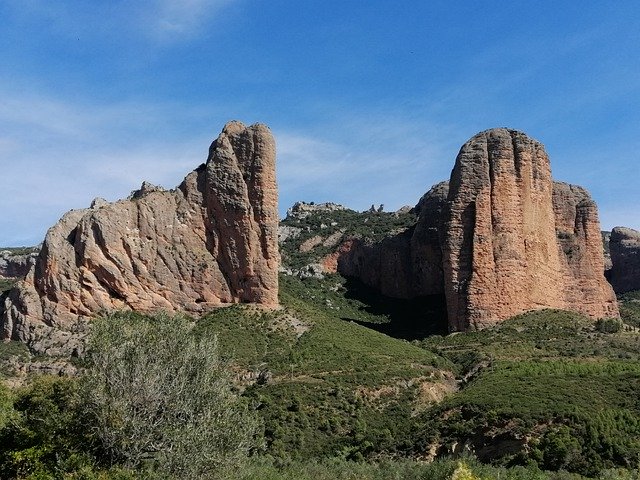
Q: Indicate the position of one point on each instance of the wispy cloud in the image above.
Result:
(60, 154)
(361, 162)
(185, 17)
(57, 155)
(156, 20)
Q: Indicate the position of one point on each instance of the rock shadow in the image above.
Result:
(408, 319)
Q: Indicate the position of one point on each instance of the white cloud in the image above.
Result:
(171, 19)
(57, 154)
(358, 163)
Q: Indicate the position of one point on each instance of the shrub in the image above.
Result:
(161, 398)
(608, 325)
(463, 472)
(43, 431)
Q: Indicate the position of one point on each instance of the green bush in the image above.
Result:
(6, 284)
(608, 325)
(630, 307)
(160, 398)
(45, 430)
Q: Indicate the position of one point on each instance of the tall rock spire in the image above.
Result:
(513, 240)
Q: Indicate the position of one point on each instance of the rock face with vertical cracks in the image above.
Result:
(513, 240)
(500, 238)
(625, 257)
(209, 242)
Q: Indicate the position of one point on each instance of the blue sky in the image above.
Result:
(370, 101)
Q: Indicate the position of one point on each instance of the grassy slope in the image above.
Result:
(326, 386)
(337, 387)
(544, 387)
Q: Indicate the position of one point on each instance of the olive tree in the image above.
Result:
(161, 400)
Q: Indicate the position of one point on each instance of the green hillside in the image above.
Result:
(543, 391)
(545, 388)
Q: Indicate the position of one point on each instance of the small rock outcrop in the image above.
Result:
(304, 209)
(500, 238)
(211, 241)
(624, 245)
(16, 265)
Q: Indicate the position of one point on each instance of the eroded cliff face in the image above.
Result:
(513, 241)
(625, 257)
(500, 238)
(580, 241)
(405, 265)
(211, 241)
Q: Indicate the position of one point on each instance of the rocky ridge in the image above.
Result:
(209, 242)
(304, 209)
(16, 265)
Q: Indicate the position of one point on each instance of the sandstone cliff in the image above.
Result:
(211, 241)
(625, 258)
(499, 239)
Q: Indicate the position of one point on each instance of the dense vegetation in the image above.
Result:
(546, 391)
(630, 308)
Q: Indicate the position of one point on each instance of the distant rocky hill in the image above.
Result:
(209, 242)
(16, 262)
(624, 247)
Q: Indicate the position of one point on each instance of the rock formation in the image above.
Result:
(211, 241)
(16, 265)
(304, 209)
(606, 238)
(625, 258)
(514, 241)
(499, 239)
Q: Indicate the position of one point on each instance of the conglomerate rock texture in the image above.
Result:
(513, 240)
(500, 238)
(211, 241)
(625, 258)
